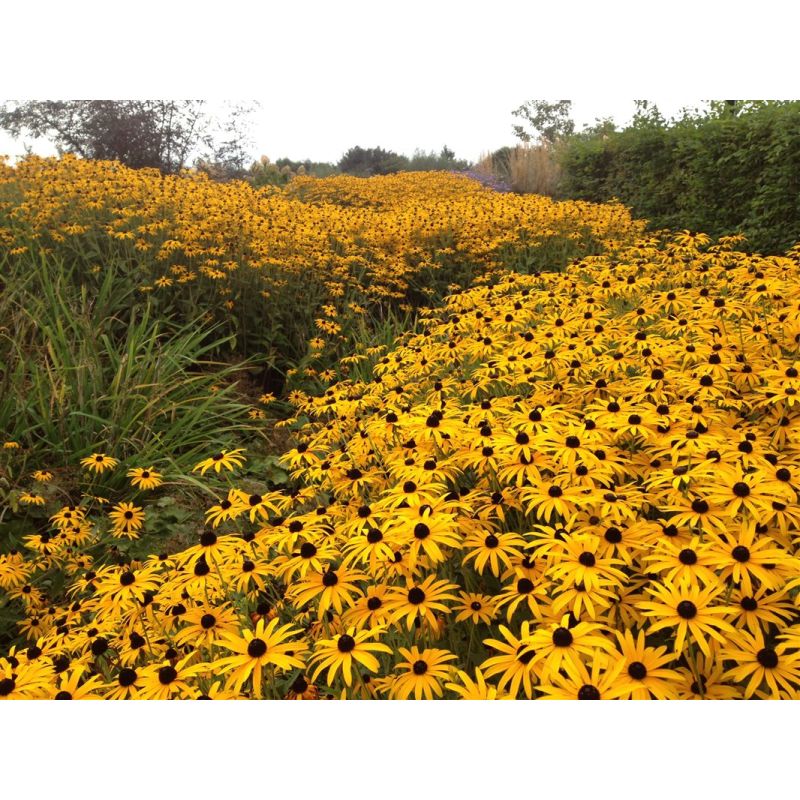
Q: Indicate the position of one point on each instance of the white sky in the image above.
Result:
(420, 74)
(469, 131)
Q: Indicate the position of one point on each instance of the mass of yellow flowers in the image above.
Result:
(577, 484)
(262, 262)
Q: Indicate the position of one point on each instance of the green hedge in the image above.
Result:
(720, 175)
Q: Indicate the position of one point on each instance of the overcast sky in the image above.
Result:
(428, 124)
(417, 74)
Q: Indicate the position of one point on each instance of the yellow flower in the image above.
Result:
(31, 499)
(99, 462)
(225, 459)
(127, 520)
(145, 478)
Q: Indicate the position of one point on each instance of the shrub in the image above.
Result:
(724, 173)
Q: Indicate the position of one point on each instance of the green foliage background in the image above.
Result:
(735, 170)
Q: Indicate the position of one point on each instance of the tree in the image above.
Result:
(549, 122)
(371, 161)
(163, 134)
(647, 115)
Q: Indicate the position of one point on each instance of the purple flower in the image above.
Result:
(489, 181)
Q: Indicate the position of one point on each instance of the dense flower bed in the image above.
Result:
(568, 485)
(280, 267)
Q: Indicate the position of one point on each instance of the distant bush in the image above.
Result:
(734, 170)
(432, 161)
(365, 162)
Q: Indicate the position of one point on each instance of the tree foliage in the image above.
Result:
(731, 168)
(377, 161)
(548, 122)
(367, 161)
(165, 134)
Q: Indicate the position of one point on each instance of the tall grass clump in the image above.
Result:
(85, 368)
(534, 169)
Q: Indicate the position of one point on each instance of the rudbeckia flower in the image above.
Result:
(269, 645)
(145, 478)
(225, 459)
(347, 648)
(99, 462)
(423, 672)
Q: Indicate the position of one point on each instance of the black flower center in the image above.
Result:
(374, 603)
(587, 559)
(330, 578)
(208, 621)
(99, 646)
(166, 675)
(346, 643)
(420, 667)
(416, 596)
(491, 541)
(588, 692)
(525, 654)
(699, 506)
(524, 586)
(748, 603)
(687, 609)
(299, 685)
(637, 671)
(687, 557)
(741, 489)
(308, 550)
(421, 531)
(741, 553)
(208, 538)
(374, 535)
(767, 657)
(60, 663)
(126, 677)
(127, 578)
(613, 535)
(201, 568)
(562, 637)
(256, 648)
